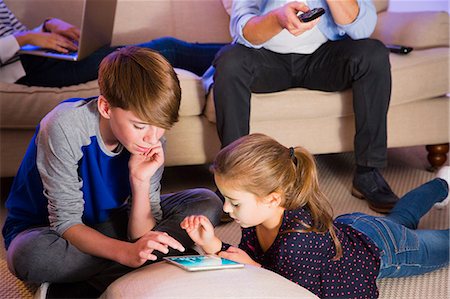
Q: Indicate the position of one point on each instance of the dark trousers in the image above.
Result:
(362, 65)
(41, 71)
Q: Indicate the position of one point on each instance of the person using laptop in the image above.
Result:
(60, 36)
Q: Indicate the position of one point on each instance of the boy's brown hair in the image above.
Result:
(141, 81)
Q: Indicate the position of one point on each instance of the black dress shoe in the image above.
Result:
(372, 187)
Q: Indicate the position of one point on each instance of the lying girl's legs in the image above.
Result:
(405, 251)
(416, 203)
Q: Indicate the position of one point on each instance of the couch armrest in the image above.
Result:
(420, 30)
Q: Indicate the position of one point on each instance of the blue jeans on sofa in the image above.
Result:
(48, 72)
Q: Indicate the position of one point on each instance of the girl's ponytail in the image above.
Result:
(306, 192)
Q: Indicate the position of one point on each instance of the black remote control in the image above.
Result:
(311, 15)
(399, 49)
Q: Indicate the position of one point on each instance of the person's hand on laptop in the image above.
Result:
(60, 27)
(46, 40)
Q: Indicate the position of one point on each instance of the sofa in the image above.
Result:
(323, 122)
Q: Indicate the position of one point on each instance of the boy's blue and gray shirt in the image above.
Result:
(69, 177)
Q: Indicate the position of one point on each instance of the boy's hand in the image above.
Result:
(238, 255)
(143, 167)
(142, 250)
(199, 228)
(288, 19)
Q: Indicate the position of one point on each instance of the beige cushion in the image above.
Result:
(190, 20)
(23, 107)
(420, 30)
(227, 5)
(300, 103)
(162, 280)
(381, 5)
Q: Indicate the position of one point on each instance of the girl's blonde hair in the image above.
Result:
(260, 165)
(142, 81)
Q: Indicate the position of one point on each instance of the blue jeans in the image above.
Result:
(41, 71)
(404, 250)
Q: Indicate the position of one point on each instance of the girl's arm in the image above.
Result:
(201, 231)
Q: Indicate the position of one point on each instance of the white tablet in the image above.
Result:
(202, 262)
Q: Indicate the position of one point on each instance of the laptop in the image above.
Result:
(95, 32)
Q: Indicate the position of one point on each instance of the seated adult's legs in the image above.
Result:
(364, 66)
(240, 71)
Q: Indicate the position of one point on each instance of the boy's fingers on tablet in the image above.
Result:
(169, 241)
(157, 246)
(147, 255)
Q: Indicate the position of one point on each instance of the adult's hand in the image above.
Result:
(60, 27)
(46, 40)
(288, 19)
(262, 28)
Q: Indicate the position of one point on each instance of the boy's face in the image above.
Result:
(137, 136)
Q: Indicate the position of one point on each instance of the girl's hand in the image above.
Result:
(60, 27)
(288, 19)
(143, 167)
(238, 255)
(143, 249)
(200, 229)
(46, 40)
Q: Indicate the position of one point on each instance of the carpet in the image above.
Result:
(407, 170)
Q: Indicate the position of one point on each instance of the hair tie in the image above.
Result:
(292, 155)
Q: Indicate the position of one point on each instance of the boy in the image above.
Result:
(85, 204)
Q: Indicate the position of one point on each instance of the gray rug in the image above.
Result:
(406, 170)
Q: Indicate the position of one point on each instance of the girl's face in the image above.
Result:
(244, 207)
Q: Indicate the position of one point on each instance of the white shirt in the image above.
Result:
(306, 43)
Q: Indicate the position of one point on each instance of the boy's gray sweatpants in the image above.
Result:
(41, 255)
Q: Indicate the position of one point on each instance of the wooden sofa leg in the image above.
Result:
(437, 155)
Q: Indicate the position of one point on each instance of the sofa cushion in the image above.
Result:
(162, 280)
(36, 102)
(420, 30)
(407, 71)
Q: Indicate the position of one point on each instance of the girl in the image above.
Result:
(273, 193)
